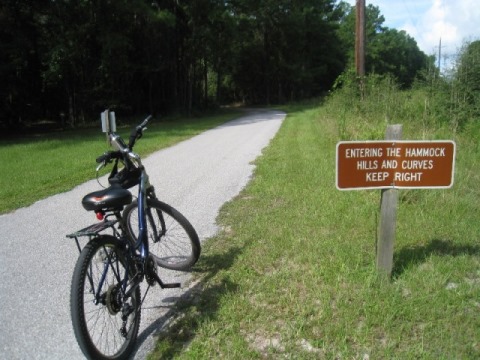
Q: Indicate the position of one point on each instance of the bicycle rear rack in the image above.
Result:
(92, 230)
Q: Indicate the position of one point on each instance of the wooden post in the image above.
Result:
(388, 216)
(360, 38)
(360, 46)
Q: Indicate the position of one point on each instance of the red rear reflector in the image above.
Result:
(99, 215)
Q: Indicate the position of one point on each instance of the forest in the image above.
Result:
(65, 61)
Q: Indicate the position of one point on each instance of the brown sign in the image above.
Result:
(395, 164)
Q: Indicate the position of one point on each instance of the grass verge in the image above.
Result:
(38, 166)
(292, 274)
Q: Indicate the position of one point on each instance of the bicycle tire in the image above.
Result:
(98, 327)
(179, 247)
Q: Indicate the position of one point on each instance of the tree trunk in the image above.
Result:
(205, 83)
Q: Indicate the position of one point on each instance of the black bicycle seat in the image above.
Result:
(112, 198)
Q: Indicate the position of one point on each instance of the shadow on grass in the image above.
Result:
(177, 328)
(407, 257)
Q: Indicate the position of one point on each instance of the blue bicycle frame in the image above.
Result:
(142, 241)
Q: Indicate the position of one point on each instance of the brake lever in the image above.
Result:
(102, 165)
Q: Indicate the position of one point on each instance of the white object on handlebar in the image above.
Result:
(109, 123)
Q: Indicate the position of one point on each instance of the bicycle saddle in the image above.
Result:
(112, 198)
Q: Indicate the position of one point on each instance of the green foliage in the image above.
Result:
(375, 99)
(466, 83)
(20, 92)
(434, 101)
(453, 99)
(79, 57)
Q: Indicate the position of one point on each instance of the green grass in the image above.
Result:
(292, 273)
(41, 165)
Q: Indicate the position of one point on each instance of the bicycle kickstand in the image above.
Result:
(162, 284)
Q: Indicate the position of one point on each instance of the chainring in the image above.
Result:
(151, 268)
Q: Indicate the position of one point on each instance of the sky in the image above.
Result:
(455, 22)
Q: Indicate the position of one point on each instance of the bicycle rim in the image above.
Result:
(173, 242)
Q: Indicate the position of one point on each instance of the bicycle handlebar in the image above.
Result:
(137, 132)
(123, 151)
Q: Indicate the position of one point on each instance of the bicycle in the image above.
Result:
(105, 299)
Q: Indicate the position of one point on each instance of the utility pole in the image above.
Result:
(360, 38)
(439, 54)
(360, 46)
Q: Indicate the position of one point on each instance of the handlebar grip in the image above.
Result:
(137, 132)
(101, 158)
(109, 155)
(145, 122)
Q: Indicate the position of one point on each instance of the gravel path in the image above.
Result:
(196, 176)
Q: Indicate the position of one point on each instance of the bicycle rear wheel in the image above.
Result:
(105, 323)
(173, 242)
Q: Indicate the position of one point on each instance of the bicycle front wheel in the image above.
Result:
(173, 242)
(105, 322)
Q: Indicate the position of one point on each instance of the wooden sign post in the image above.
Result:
(390, 165)
(388, 216)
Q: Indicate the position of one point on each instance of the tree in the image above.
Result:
(468, 73)
(397, 53)
(286, 49)
(89, 52)
(79, 57)
(20, 93)
(388, 51)
(465, 85)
